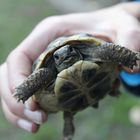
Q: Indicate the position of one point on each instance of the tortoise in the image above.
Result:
(73, 73)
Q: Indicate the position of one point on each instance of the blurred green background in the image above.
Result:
(109, 122)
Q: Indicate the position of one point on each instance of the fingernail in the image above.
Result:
(27, 105)
(24, 124)
(31, 105)
(36, 116)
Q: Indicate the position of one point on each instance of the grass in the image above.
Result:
(109, 122)
(17, 19)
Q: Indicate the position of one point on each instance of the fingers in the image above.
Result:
(15, 112)
(6, 95)
(18, 67)
(129, 39)
(19, 122)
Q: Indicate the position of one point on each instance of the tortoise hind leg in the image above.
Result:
(38, 79)
(68, 130)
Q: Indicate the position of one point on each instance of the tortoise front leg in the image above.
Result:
(35, 81)
(68, 130)
(110, 52)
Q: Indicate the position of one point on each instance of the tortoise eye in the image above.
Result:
(56, 56)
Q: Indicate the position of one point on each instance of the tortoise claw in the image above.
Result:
(20, 97)
(33, 83)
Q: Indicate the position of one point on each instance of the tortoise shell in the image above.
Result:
(62, 41)
(86, 62)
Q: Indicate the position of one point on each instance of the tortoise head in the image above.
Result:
(66, 56)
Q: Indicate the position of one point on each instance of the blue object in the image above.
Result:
(130, 79)
(131, 82)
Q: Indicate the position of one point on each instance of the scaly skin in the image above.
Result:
(33, 83)
(110, 52)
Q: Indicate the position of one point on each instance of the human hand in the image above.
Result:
(118, 24)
